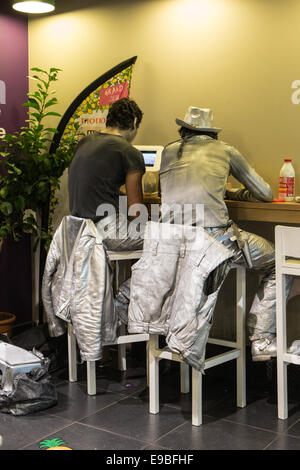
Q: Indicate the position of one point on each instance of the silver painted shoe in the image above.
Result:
(264, 349)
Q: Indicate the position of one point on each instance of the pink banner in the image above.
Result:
(113, 93)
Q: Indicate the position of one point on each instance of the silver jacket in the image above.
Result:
(200, 176)
(77, 287)
(174, 287)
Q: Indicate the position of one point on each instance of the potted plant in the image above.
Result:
(31, 174)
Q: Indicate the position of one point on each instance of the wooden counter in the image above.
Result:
(277, 212)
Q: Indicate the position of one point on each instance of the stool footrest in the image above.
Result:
(221, 358)
(125, 339)
(291, 358)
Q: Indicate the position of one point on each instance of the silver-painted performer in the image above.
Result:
(194, 170)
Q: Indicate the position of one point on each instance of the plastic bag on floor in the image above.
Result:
(31, 392)
(53, 348)
(122, 301)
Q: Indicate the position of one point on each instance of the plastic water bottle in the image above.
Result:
(287, 181)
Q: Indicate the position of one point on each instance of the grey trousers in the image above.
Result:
(119, 234)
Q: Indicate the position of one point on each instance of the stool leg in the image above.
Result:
(122, 351)
(72, 353)
(282, 385)
(153, 376)
(122, 366)
(184, 378)
(91, 377)
(241, 335)
(147, 362)
(196, 397)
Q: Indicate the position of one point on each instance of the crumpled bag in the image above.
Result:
(31, 392)
(122, 301)
(294, 347)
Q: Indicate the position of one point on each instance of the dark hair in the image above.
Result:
(122, 114)
(186, 134)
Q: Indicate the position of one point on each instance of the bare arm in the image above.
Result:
(134, 191)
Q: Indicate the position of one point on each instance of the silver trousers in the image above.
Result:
(262, 315)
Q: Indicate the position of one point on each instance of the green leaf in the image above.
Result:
(31, 104)
(52, 113)
(51, 129)
(28, 189)
(3, 192)
(36, 95)
(6, 208)
(11, 168)
(37, 116)
(51, 102)
(36, 69)
(47, 163)
(41, 80)
(19, 203)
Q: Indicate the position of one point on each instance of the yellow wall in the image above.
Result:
(238, 57)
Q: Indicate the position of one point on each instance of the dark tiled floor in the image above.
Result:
(117, 417)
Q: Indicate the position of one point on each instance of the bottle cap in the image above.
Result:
(287, 159)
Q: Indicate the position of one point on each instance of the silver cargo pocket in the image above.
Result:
(152, 280)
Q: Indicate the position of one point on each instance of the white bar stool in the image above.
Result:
(238, 353)
(121, 340)
(287, 249)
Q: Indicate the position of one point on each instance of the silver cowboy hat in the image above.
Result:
(198, 119)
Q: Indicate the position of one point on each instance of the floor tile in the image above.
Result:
(216, 435)
(130, 417)
(155, 447)
(261, 412)
(293, 430)
(74, 403)
(80, 437)
(118, 416)
(124, 383)
(109, 378)
(18, 431)
(285, 442)
(214, 391)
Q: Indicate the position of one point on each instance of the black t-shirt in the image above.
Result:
(97, 171)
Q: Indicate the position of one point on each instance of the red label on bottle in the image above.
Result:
(288, 184)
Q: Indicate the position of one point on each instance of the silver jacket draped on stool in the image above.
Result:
(174, 287)
(77, 287)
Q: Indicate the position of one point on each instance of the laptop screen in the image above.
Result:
(149, 157)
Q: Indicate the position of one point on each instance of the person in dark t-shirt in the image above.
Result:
(101, 164)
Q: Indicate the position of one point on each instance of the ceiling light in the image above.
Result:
(34, 6)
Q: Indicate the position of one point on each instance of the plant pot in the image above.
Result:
(6, 322)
